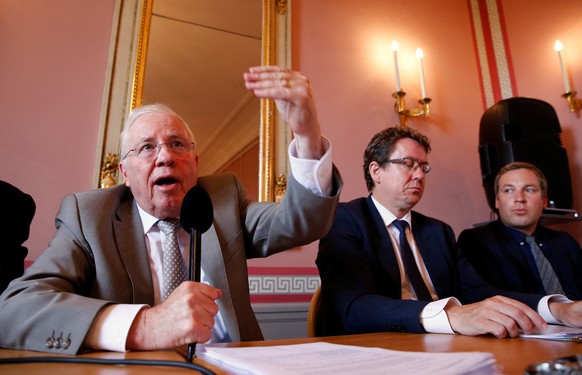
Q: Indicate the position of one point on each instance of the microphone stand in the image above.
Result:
(194, 272)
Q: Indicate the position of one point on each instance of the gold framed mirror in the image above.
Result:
(135, 56)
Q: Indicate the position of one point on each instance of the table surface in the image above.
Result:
(512, 355)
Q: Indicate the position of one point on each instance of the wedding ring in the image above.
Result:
(286, 83)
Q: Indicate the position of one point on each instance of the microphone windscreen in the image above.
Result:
(196, 211)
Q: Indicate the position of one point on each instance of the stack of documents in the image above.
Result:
(325, 358)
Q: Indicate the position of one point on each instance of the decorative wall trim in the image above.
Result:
(492, 49)
(271, 284)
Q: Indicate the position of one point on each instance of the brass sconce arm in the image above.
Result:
(574, 103)
(400, 108)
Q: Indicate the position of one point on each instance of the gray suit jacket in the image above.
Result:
(98, 256)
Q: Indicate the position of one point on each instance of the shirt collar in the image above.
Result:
(517, 234)
(388, 217)
(147, 220)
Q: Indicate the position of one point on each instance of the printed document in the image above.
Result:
(326, 358)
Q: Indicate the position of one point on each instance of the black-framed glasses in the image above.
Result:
(148, 150)
(412, 164)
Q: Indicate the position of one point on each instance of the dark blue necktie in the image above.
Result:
(422, 293)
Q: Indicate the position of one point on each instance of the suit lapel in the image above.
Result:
(435, 254)
(380, 240)
(214, 268)
(509, 244)
(129, 237)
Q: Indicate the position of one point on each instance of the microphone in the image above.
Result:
(196, 215)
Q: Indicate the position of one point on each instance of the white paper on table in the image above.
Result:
(556, 332)
(325, 358)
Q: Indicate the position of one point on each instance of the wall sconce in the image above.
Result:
(573, 103)
(400, 104)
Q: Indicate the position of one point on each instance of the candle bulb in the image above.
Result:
(395, 54)
(419, 56)
(558, 46)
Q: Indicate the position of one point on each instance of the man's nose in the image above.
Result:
(418, 174)
(164, 154)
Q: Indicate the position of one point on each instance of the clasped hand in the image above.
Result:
(186, 316)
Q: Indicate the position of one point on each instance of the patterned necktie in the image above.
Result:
(173, 265)
(549, 279)
(422, 293)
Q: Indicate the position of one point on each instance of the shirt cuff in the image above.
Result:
(314, 175)
(544, 307)
(110, 328)
(433, 317)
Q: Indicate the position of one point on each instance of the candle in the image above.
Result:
(558, 46)
(395, 54)
(419, 56)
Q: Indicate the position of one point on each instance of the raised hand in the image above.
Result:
(292, 93)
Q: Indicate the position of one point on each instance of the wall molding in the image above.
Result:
(278, 284)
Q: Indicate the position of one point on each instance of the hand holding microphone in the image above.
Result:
(196, 215)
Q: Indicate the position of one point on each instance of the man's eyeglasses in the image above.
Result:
(149, 150)
(412, 164)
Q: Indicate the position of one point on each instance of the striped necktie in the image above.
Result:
(547, 274)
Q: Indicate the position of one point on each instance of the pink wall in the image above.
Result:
(342, 45)
(533, 27)
(53, 58)
(54, 61)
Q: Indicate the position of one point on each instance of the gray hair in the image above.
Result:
(143, 110)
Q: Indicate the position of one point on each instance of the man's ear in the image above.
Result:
(123, 174)
(374, 168)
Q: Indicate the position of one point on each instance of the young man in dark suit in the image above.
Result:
(500, 251)
(385, 267)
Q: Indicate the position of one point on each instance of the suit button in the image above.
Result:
(66, 344)
(49, 343)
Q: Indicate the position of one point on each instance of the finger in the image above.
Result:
(210, 291)
(267, 69)
(526, 317)
(509, 315)
(202, 288)
(270, 76)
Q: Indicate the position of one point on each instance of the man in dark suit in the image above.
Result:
(379, 275)
(99, 283)
(17, 210)
(500, 252)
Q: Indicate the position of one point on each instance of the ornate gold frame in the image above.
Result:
(123, 90)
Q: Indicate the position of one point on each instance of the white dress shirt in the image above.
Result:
(109, 331)
(433, 317)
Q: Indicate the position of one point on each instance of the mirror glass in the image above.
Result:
(197, 52)
(191, 55)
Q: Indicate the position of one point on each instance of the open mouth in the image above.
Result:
(166, 181)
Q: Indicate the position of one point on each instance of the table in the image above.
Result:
(512, 355)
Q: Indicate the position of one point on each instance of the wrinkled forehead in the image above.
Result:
(158, 125)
